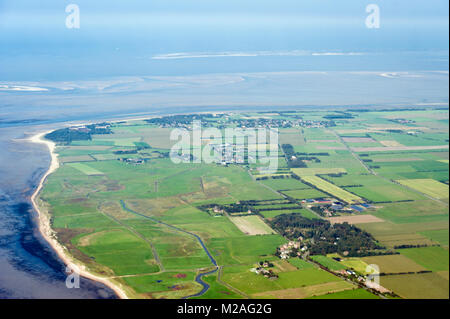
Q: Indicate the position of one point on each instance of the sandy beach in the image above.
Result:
(49, 234)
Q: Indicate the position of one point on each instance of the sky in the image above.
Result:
(145, 57)
(151, 52)
(35, 43)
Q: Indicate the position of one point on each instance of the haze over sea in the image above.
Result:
(156, 57)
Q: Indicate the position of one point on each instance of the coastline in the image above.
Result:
(48, 233)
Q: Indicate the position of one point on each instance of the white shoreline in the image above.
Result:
(48, 233)
(44, 219)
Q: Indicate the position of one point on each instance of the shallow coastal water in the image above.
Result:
(28, 266)
(154, 57)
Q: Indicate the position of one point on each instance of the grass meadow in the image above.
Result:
(155, 253)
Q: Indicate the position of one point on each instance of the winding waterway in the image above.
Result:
(29, 268)
(199, 277)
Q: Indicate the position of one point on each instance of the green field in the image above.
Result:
(391, 234)
(252, 225)
(317, 171)
(305, 193)
(217, 290)
(441, 236)
(432, 258)
(332, 189)
(348, 294)
(385, 193)
(120, 251)
(122, 141)
(123, 209)
(393, 264)
(413, 211)
(166, 285)
(357, 264)
(86, 169)
(418, 286)
(328, 263)
(284, 184)
(245, 249)
(300, 263)
(429, 187)
(250, 283)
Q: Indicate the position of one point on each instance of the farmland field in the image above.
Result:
(355, 219)
(317, 171)
(128, 212)
(385, 193)
(432, 258)
(284, 184)
(332, 189)
(393, 264)
(356, 264)
(392, 235)
(418, 286)
(86, 169)
(253, 284)
(306, 292)
(328, 262)
(304, 193)
(441, 236)
(251, 225)
(413, 211)
(429, 187)
(300, 263)
(347, 294)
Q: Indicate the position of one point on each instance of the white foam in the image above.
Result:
(21, 88)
